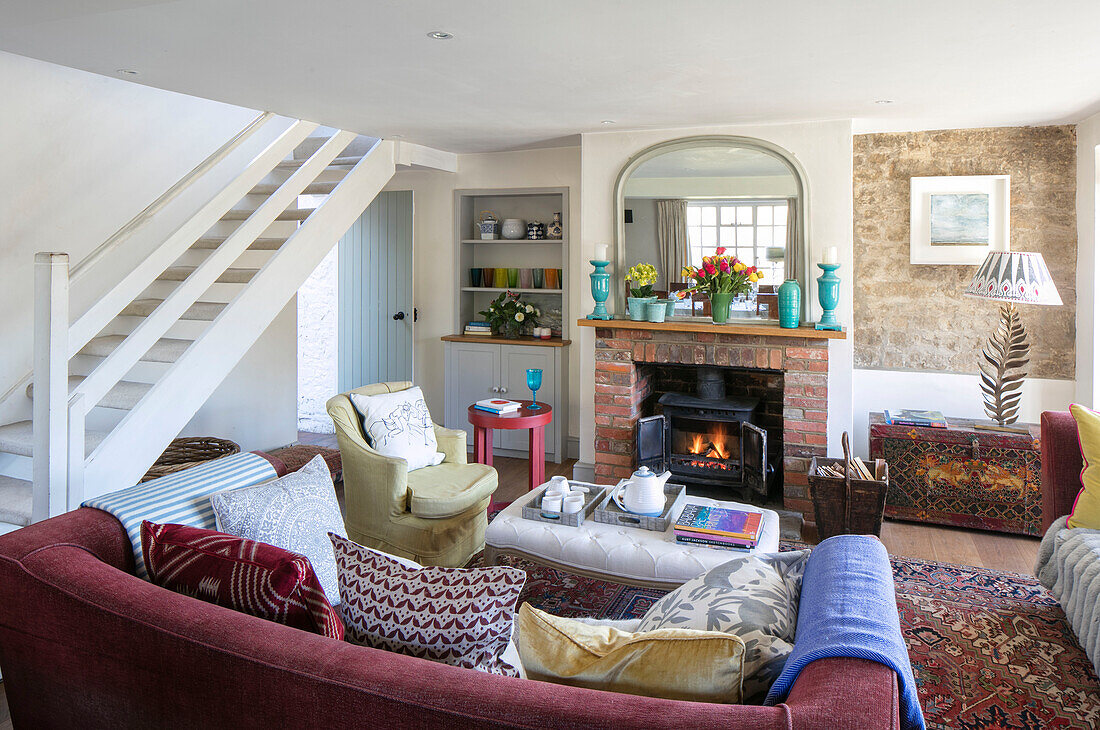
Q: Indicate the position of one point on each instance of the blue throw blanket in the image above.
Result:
(848, 609)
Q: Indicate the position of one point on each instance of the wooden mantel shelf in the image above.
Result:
(730, 328)
(498, 340)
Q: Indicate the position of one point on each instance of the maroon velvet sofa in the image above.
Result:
(1062, 462)
(86, 644)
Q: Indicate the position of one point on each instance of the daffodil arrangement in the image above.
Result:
(510, 316)
(644, 276)
(720, 274)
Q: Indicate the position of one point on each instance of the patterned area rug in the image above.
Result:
(991, 650)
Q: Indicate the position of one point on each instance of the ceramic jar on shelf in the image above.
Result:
(536, 231)
(554, 229)
(513, 229)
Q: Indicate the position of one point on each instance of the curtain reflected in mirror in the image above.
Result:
(680, 201)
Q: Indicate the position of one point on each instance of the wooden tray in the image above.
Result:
(532, 508)
(608, 512)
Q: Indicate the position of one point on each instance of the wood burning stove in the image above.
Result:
(706, 438)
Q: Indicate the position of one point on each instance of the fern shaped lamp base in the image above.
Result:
(1002, 364)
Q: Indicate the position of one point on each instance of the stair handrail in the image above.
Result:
(133, 345)
(147, 213)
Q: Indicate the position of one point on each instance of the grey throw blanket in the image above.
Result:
(1069, 565)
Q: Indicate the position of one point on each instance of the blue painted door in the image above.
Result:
(376, 298)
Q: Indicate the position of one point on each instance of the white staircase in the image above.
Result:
(113, 385)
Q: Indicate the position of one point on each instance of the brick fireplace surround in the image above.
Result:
(622, 386)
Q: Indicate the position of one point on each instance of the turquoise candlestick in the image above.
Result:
(828, 294)
(601, 289)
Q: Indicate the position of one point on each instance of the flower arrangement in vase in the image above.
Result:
(640, 278)
(720, 277)
(510, 316)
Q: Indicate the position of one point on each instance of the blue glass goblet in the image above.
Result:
(534, 382)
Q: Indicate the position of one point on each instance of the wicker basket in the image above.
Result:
(184, 453)
(848, 506)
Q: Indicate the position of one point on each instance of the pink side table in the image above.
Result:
(525, 418)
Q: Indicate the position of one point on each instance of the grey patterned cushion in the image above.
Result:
(754, 597)
(295, 513)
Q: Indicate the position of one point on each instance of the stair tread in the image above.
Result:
(16, 498)
(294, 214)
(260, 244)
(229, 276)
(166, 349)
(199, 311)
(338, 162)
(18, 438)
(314, 188)
(124, 396)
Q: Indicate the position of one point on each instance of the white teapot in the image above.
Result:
(644, 494)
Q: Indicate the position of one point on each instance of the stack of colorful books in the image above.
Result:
(478, 328)
(906, 417)
(718, 527)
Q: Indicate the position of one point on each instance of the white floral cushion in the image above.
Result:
(295, 512)
(399, 425)
(457, 616)
(755, 598)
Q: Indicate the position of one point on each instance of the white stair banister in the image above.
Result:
(75, 488)
(134, 282)
(51, 383)
(137, 343)
(124, 455)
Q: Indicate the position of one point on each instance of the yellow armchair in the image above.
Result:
(435, 515)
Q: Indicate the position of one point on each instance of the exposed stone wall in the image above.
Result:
(915, 317)
(623, 382)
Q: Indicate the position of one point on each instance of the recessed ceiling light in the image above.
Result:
(397, 136)
(126, 72)
(440, 35)
(608, 121)
(884, 101)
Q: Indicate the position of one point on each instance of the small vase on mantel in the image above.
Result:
(790, 304)
(720, 307)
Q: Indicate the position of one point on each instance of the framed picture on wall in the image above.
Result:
(957, 219)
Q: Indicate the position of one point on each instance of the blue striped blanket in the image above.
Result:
(182, 498)
(848, 609)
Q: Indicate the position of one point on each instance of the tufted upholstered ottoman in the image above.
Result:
(622, 554)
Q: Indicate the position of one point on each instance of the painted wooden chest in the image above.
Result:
(960, 475)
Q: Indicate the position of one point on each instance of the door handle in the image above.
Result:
(503, 390)
(495, 389)
(399, 316)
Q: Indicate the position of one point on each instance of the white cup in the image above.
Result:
(552, 503)
(558, 485)
(573, 502)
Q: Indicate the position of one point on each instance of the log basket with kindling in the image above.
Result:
(849, 496)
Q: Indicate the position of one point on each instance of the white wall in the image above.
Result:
(433, 255)
(955, 394)
(83, 154)
(1088, 263)
(824, 149)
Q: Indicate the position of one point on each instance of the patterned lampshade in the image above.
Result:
(1011, 276)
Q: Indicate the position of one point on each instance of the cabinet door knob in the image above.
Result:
(495, 389)
(503, 390)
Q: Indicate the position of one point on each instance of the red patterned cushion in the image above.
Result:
(245, 575)
(459, 616)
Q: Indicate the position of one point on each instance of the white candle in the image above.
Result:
(600, 252)
(829, 255)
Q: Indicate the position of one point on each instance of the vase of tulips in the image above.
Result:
(508, 315)
(721, 278)
(640, 278)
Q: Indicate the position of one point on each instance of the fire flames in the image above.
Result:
(713, 447)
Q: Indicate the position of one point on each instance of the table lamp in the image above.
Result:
(1011, 278)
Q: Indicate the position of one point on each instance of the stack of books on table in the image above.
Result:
(498, 406)
(906, 417)
(478, 328)
(718, 527)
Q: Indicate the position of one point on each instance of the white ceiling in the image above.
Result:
(519, 73)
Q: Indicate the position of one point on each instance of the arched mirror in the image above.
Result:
(677, 201)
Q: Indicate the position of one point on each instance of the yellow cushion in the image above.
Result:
(675, 664)
(447, 490)
(1086, 509)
